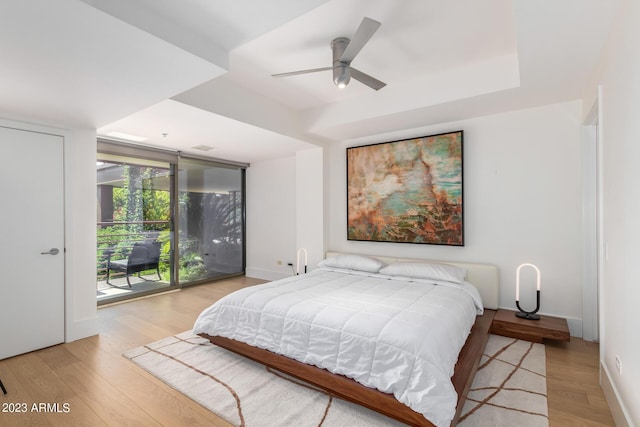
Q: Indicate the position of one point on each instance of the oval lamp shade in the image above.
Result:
(530, 315)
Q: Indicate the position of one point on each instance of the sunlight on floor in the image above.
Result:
(120, 288)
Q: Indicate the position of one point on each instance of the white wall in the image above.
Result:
(311, 218)
(620, 293)
(286, 211)
(80, 223)
(271, 218)
(522, 203)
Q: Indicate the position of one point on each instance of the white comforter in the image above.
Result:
(401, 336)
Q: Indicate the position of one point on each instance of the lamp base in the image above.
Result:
(528, 316)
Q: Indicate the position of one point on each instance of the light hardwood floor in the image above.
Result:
(574, 395)
(102, 388)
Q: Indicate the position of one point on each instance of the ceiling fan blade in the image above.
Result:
(295, 73)
(366, 79)
(366, 29)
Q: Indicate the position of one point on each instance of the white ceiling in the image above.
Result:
(199, 71)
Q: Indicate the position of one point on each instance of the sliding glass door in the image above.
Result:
(210, 221)
(134, 236)
(165, 221)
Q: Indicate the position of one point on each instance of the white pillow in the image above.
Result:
(426, 270)
(353, 262)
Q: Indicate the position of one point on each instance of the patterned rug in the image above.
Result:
(510, 387)
(246, 393)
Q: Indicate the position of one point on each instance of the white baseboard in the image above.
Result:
(575, 327)
(619, 412)
(261, 273)
(79, 329)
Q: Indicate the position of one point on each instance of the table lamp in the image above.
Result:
(530, 315)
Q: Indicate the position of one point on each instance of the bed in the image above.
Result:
(358, 327)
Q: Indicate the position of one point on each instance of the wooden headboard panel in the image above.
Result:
(485, 277)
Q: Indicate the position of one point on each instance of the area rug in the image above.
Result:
(510, 387)
(246, 393)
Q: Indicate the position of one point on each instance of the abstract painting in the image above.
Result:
(407, 191)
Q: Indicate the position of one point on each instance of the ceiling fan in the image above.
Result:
(344, 51)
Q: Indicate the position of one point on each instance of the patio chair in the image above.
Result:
(144, 256)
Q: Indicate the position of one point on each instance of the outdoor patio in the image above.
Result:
(145, 283)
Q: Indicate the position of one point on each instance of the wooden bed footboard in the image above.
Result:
(350, 390)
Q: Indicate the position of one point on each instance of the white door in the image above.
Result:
(31, 231)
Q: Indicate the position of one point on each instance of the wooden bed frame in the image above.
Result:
(345, 388)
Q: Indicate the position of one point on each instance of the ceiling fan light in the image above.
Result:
(341, 76)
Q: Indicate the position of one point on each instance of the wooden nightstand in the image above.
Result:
(506, 323)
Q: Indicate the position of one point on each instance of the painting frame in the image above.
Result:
(407, 191)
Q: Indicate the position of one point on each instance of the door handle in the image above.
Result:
(52, 251)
